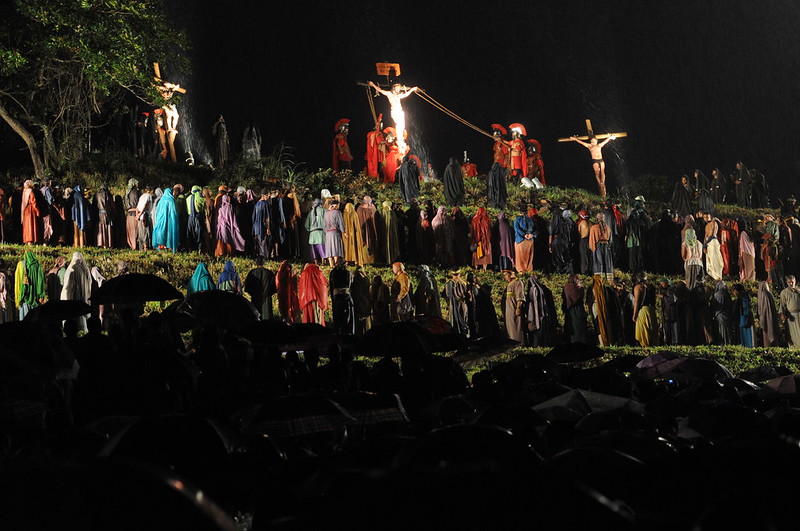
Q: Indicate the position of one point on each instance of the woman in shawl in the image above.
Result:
(335, 233)
(229, 235)
(77, 284)
(743, 315)
(692, 254)
(503, 242)
(31, 213)
(312, 294)
(424, 238)
(390, 225)
(747, 253)
(644, 311)
(201, 280)
(721, 307)
(426, 297)
(354, 250)
(166, 231)
(767, 315)
(29, 284)
(81, 216)
(453, 183)
(106, 212)
(369, 232)
(229, 279)
(574, 313)
(55, 279)
(286, 284)
(443, 236)
(481, 239)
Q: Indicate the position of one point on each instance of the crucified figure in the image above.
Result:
(398, 93)
(598, 164)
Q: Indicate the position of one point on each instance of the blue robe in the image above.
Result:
(81, 210)
(166, 230)
(201, 280)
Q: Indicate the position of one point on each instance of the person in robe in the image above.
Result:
(103, 202)
(743, 315)
(261, 226)
(718, 186)
(644, 311)
(31, 213)
(342, 158)
(389, 233)
(722, 308)
(222, 145)
(456, 293)
(670, 314)
(692, 254)
(747, 253)
(260, 285)
(424, 239)
(144, 222)
(7, 306)
(312, 292)
(767, 316)
(201, 280)
(379, 301)
(461, 237)
(195, 219)
(229, 279)
(483, 318)
(598, 164)
(742, 183)
(362, 305)
(625, 300)
(541, 314)
(468, 169)
(54, 280)
(790, 310)
(524, 229)
(286, 286)
(637, 228)
(251, 143)
(77, 284)
(598, 301)
(682, 196)
(408, 179)
(368, 230)
(497, 191)
(354, 250)
(443, 236)
(481, 239)
(563, 233)
(228, 235)
(513, 306)
(600, 245)
(335, 232)
(572, 297)
(503, 242)
(401, 308)
(277, 219)
(291, 208)
(129, 201)
(166, 230)
(375, 149)
(700, 302)
(453, 183)
(392, 156)
(426, 296)
(535, 162)
(29, 284)
(340, 281)
(584, 252)
(81, 217)
(315, 226)
(179, 194)
(711, 244)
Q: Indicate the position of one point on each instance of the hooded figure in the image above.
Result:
(260, 285)
(229, 235)
(286, 285)
(166, 230)
(443, 236)
(453, 183)
(767, 315)
(362, 306)
(195, 223)
(541, 314)
(481, 244)
(55, 279)
(81, 216)
(29, 284)
(426, 297)
(408, 178)
(722, 307)
(315, 226)
(456, 292)
(572, 298)
(77, 284)
(354, 250)
(390, 232)
(341, 281)
(201, 280)
(229, 279)
(312, 294)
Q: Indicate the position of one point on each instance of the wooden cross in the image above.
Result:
(590, 133)
(169, 86)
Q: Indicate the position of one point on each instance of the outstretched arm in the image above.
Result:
(377, 88)
(581, 142)
(604, 142)
(408, 92)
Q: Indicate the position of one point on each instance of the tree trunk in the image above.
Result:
(27, 137)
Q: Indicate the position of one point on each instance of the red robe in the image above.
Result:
(501, 152)
(469, 170)
(313, 294)
(286, 284)
(519, 157)
(536, 168)
(390, 165)
(341, 152)
(30, 217)
(374, 155)
(724, 242)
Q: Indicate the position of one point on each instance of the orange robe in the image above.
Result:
(30, 217)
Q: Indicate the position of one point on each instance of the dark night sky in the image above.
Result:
(694, 83)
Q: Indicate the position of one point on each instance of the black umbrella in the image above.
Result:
(135, 287)
(270, 333)
(222, 308)
(372, 408)
(58, 311)
(763, 373)
(624, 363)
(396, 339)
(483, 348)
(574, 353)
(294, 416)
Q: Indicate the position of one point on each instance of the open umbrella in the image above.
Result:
(372, 408)
(58, 311)
(782, 385)
(135, 287)
(483, 348)
(294, 416)
(577, 403)
(396, 340)
(574, 353)
(270, 333)
(222, 308)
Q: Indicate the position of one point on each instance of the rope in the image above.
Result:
(426, 97)
(371, 105)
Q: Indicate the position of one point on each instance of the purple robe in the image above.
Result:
(333, 225)
(227, 227)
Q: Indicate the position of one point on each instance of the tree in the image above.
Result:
(63, 62)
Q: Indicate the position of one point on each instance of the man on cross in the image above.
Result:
(598, 164)
(395, 97)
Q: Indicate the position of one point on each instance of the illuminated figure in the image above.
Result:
(395, 96)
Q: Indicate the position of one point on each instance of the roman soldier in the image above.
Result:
(341, 150)
(376, 149)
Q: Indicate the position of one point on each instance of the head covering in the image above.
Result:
(229, 279)
(61, 261)
(201, 280)
(312, 287)
(767, 312)
(227, 226)
(573, 293)
(690, 238)
(32, 290)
